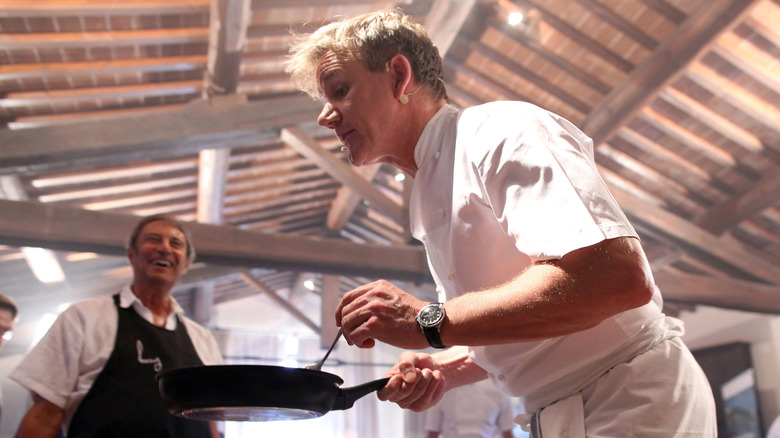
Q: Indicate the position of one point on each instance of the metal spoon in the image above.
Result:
(318, 366)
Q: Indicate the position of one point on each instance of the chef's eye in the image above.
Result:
(340, 92)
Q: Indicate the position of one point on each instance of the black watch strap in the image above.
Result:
(432, 334)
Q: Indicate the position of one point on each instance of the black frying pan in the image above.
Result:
(256, 392)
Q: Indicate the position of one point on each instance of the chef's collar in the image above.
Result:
(127, 299)
(430, 139)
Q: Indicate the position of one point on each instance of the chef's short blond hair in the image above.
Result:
(372, 38)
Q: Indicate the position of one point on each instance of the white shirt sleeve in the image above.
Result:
(62, 366)
(543, 184)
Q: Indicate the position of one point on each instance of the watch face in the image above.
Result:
(431, 315)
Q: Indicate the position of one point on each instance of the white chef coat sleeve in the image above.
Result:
(544, 187)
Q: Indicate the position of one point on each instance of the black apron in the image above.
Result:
(124, 400)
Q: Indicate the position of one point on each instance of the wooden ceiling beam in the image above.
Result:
(342, 172)
(665, 64)
(749, 59)
(537, 48)
(529, 75)
(551, 17)
(229, 20)
(72, 229)
(116, 38)
(757, 198)
(76, 96)
(726, 90)
(197, 126)
(229, 23)
(669, 11)
(69, 70)
(723, 292)
(39, 121)
(698, 146)
(347, 201)
(722, 125)
(618, 22)
(58, 8)
(723, 251)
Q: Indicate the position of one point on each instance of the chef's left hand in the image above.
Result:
(416, 382)
(380, 311)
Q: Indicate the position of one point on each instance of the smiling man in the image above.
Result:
(93, 374)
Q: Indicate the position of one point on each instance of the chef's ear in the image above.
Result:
(401, 69)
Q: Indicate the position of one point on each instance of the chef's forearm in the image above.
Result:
(553, 298)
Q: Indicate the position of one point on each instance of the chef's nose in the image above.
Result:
(328, 116)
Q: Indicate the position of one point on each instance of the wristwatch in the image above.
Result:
(430, 319)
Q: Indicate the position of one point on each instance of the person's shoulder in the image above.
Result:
(505, 108)
(502, 118)
(194, 326)
(91, 304)
(89, 310)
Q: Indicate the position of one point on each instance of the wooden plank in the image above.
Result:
(229, 22)
(725, 252)
(341, 171)
(24, 223)
(669, 60)
(347, 201)
(198, 125)
(118, 38)
(58, 8)
(759, 197)
(728, 293)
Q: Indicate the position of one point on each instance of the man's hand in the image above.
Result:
(380, 311)
(416, 382)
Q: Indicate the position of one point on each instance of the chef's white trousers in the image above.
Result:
(640, 398)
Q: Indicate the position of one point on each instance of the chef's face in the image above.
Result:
(159, 254)
(358, 106)
(6, 326)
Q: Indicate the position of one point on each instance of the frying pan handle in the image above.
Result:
(347, 396)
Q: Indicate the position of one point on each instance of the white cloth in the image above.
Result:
(562, 419)
(66, 361)
(643, 397)
(478, 410)
(774, 429)
(499, 186)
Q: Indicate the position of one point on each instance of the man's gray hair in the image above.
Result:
(372, 38)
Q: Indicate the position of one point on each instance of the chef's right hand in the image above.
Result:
(416, 382)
